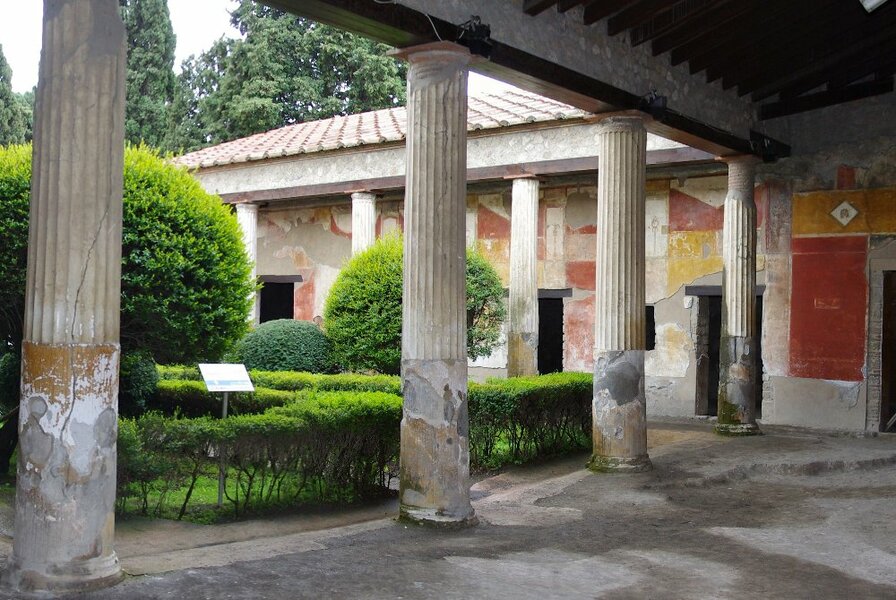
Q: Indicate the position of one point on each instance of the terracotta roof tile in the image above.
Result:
(485, 111)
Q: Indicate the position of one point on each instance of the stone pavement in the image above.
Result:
(791, 514)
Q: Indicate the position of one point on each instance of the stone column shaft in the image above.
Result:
(522, 330)
(435, 461)
(247, 217)
(737, 404)
(619, 409)
(65, 495)
(363, 221)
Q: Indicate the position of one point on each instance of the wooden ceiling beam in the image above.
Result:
(567, 5)
(720, 39)
(760, 24)
(670, 19)
(637, 13)
(600, 9)
(534, 7)
(845, 48)
(789, 46)
(698, 23)
(826, 98)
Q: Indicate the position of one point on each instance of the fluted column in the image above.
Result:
(363, 221)
(435, 460)
(737, 368)
(65, 495)
(247, 217)
(619, 408)
(522, 331)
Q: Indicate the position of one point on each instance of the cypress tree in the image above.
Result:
(12, 114)
(150, 77)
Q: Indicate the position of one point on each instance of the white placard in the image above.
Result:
(226, 378)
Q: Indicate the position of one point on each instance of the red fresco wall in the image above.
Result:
(687, 213)
(303, 297)
(578, 334)
(828, 306)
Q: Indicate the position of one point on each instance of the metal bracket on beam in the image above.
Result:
(476, 35)
(769, 149)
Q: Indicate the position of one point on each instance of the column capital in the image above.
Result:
(620, 123)
(433, 51)
(361, 195)
(246, 207)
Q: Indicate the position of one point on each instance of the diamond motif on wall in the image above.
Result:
(844, 213)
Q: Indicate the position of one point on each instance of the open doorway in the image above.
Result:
(550, 329)
(707, 348)
(276, 297)
(888, 355)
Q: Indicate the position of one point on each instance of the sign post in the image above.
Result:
(225, 378)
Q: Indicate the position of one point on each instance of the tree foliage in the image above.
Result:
(284, 69)
(185, 275)
(13, 116)
(362, 315)
(150, 75)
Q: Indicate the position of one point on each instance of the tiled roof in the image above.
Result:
(485, 111)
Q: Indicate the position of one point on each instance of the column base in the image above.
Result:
(737, 429)
(76, 576)
(615, 464)
(428, 517)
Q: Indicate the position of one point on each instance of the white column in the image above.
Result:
(737, 368)
(619, 409)
(247, 217)
(522, 331)
(68, 417)
(363, 221)
(435, 484)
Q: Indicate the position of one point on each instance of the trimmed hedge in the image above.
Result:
(535, 417)
(297, 380)
(332, 446)
(191, 399)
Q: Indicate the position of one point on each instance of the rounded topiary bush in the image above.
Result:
(286, 345)
(362, 315)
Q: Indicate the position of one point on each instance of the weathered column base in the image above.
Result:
(435, 449)
(522, 354)
(619, 412)
(737, 405)
(65, 495)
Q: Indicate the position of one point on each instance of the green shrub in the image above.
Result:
(331, 445)
(290, 380)
(185, 280)
(190, 372)
(10, 380)
(138, 379)
(286, 345)
(362, 315)
(191, 398)
(534, 416)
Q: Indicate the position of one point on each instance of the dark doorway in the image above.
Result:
(709, 333)
(550, 335)
(276, 301)
(888, 354)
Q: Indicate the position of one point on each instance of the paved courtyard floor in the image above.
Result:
(791, 514)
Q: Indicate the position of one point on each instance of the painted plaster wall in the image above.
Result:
(820, 349)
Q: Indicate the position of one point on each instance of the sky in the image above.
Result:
(197, 24)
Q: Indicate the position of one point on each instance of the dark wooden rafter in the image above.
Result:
(601, 9)
(800, 46)
(850, 47)
(668, 20)
(735, 41)
(534, 7)
(635, 14)
(692, 27)
(567, 5)
(827, 97)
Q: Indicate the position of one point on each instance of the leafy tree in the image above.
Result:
(26, 102)
(150, 78)
(362, 315)
(283, 70)
(12, 116)
(185, 280)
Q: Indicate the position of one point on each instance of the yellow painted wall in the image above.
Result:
(877, 212)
